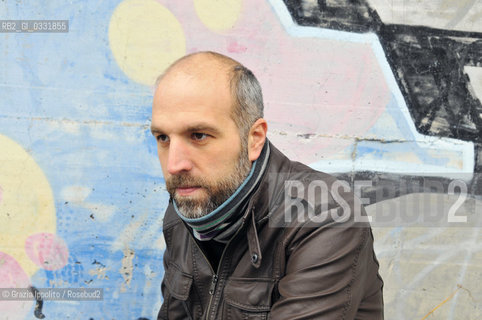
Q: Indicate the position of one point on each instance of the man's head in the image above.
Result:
(207, 119)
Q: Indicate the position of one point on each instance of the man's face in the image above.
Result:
(198, 143)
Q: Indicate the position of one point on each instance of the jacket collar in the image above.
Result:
(265, 196)
(271, 185)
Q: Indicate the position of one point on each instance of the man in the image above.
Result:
(239, 244)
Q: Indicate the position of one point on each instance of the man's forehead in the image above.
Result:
(196, 87)
(190, 81)
(184, 83)
(188, 95)
(187, 88)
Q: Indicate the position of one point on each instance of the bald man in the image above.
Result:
(244, 238)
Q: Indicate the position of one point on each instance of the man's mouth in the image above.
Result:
(186, 191)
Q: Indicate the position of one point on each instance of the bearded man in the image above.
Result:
(239, 245)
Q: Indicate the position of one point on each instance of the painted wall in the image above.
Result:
(386, 91)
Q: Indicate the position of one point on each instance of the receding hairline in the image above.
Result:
(188, 62)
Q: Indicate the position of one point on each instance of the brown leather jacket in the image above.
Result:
(277, 266)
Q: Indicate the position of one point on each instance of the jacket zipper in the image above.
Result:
(215, 277)
(214, 280)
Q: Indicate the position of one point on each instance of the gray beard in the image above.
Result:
(217, 192)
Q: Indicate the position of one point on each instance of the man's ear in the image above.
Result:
(256, 138)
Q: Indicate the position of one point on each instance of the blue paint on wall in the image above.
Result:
(87, 126)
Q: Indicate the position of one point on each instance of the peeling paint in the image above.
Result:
(127, 268)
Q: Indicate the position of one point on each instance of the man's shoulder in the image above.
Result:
(304, 196)
(281, 165)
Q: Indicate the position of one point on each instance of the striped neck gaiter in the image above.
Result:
(225, 220)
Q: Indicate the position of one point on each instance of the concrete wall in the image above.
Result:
(380, 91)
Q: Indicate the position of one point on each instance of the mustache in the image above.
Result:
(183, 180)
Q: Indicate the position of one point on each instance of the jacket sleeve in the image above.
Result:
(176, 285)
(162, 315)
(331, 273)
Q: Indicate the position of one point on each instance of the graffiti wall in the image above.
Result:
(381, 91)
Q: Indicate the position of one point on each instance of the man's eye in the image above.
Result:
(162, 138)
(199, 136)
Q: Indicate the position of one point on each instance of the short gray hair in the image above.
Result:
(248, 99)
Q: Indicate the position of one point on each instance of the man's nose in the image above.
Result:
(178, 159)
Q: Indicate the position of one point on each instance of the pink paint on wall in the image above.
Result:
(235, 47)
(47, 251)
(328, 89)
(12, 276)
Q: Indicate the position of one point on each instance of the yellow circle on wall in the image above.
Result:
(145, 38)
(218, 15)
(26, 202)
